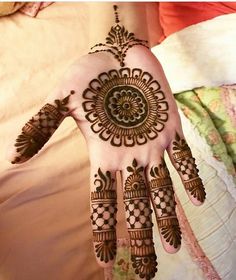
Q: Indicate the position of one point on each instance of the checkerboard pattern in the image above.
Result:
(164, 200)
(138, 213)
(45, 121)
(188, 168)
(103, 216)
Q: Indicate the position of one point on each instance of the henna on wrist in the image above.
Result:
(119, 41)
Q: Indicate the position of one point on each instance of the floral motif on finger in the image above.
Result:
(37, 131)
(126, 107)
(103, 216)
(162, 194)
(186, 166)
(139, 222)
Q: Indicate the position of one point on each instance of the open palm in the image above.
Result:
(129, 119)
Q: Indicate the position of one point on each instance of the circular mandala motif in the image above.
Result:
(125, 107)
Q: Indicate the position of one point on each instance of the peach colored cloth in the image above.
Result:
(32, 8)
(45, 230)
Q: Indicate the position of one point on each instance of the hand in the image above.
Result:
(129, 118)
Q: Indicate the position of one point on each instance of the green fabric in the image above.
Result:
(206, 109)
(122, 269)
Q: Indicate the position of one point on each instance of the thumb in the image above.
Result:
(38, 130)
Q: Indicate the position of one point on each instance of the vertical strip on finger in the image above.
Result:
(139, 222)
(103, 216)
(162, 195)
(184, 163)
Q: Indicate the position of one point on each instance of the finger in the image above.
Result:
(139, 222)
(163, 200)
(103, 215)
(37, 131)
(182, 159)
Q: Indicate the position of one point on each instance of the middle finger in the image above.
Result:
(138, 216)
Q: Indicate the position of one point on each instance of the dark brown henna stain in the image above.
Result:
(186, 166)
(119, 41)
(40, 128)
(138, 213)
(126, 107)
(103, 217)
(162, 193)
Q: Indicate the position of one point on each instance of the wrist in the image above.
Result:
(118, 28)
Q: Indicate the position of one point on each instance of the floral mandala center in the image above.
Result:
(126, 107)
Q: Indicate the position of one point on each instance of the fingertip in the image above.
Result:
(102, 261)
(172, 245)
(195, 201)
(171, 237)
(171, 249)
(196, 191)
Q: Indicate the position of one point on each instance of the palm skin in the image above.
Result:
(129, 118)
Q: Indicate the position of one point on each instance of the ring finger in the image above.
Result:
(163, 200)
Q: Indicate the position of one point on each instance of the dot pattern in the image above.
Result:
(118, 41)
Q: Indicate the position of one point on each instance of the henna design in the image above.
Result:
(186, 166)
(162, 194)
(119, 41)
(126, 107)
(139, 223)
(40, 128)
(103, 217)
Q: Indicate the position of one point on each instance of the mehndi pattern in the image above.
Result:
(118, 41)
(162, 194)
(139, 223)
(185, 164)
(103, 216)
(40, 128)
(126, 107)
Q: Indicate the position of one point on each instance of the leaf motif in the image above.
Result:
(177, 137)
(129, 169)
(134, 163)
(156, 171)
(65, 100)
(102, 176)
(152, 172)
(175, 143)
(140, 169)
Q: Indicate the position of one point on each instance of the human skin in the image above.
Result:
(124, 107)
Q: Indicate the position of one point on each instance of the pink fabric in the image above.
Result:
(228, 97)
(193, 246)
(32, 8)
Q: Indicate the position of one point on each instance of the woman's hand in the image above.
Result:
(129, 119)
